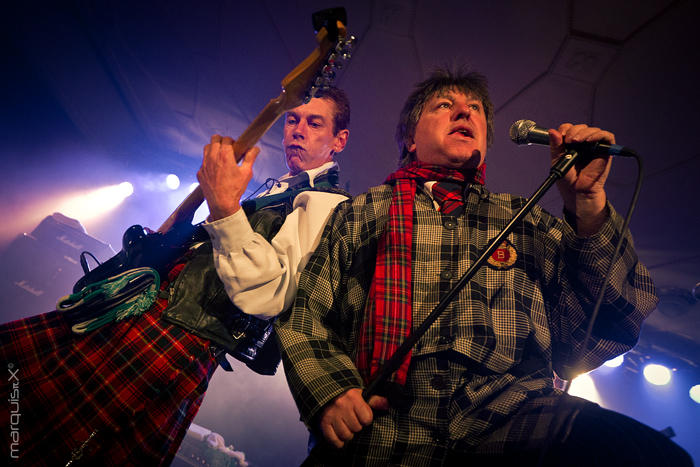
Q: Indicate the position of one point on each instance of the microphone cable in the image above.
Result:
(596, 309)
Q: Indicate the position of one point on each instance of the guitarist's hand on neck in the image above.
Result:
(222, 179)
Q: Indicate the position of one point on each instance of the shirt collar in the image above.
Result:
(287, 180)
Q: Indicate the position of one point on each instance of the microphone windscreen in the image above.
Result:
(520, 130)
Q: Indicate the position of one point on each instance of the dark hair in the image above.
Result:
(440, 80)
(341, 119)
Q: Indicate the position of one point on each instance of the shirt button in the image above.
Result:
(438, 383)
(446, 275)
(439, 438)
(450, 223)
(443, 340)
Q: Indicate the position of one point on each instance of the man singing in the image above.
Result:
(478, 386)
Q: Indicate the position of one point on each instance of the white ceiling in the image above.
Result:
(97, 90)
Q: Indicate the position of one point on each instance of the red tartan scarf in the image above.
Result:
(388, 311)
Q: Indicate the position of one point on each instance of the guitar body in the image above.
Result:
(243, 336)
(141, 249)
(176, 235)
(125, 393)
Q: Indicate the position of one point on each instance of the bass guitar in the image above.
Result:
(159, 249)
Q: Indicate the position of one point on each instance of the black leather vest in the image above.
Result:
(199, 303)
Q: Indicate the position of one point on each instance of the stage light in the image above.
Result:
(91, 205)
(657, 375)
(172, 181)
(695, 393)
(584, 386)
(615, 362)
(126, 189)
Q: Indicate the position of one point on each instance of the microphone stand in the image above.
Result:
(322, 450)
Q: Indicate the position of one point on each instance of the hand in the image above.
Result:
(223, 181)
(347, 414)
(582, 188)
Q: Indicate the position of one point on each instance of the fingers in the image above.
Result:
(556, 139)
(346, 415)
(568, 134)
(379, 403)
(329, 432)
(213, 146)
(584, 133)
(340, 428)
(218, 146)
(220, 149)
(564, 128)
(363, 414)
(249, 157)
(211, 151)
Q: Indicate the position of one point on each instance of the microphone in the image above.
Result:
(527, 132)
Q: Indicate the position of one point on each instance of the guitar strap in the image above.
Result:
(327, 181)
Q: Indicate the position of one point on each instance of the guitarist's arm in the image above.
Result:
(260, 277)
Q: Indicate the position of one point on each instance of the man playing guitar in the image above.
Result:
(127, 391)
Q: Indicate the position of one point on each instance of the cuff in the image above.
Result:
(609, 230)
(229, 232)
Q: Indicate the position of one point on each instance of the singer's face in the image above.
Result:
(308, 140)
(451, 131)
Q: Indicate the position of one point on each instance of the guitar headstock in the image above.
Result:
(317, 71)
(298, 87)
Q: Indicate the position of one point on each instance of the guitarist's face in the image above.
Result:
(309, 141)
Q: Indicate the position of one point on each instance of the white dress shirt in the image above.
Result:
(261, 277)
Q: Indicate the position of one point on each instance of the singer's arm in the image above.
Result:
(582, 188)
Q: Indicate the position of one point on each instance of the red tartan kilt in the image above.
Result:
(139, 383)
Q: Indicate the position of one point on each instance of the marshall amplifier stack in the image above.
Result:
(38, 268)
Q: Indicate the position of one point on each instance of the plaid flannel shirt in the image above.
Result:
(503, 335)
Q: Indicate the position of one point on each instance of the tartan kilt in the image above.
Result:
(126, 392)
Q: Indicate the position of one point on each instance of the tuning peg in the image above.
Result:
(310, 93)
(348, 44)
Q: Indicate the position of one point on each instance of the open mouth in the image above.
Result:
(463, 131)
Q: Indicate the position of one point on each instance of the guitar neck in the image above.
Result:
(294, 90)
(250, 136)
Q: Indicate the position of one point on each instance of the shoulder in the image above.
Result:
(362, 211)
(374, 199)
(507, 205)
